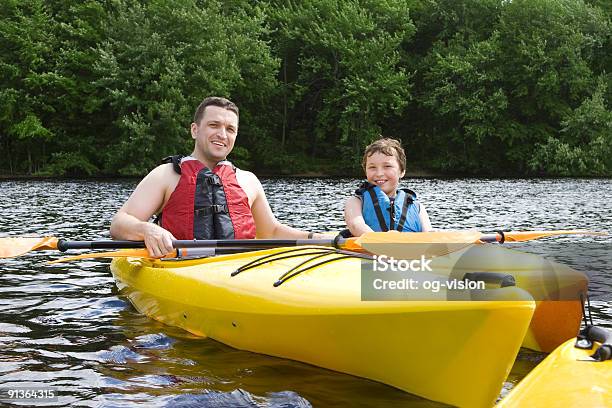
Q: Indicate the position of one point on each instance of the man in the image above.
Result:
(196, 202)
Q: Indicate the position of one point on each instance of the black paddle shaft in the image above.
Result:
(64, 245)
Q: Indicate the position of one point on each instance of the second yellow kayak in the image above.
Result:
(568, 377)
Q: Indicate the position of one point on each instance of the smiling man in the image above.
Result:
(201, 196)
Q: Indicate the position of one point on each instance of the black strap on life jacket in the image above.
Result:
(408, 200)
(175, 160)
(391, 212)
(378, 210)
(369, 188)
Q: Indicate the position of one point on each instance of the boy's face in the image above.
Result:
(384, 171)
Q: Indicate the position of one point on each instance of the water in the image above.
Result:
(67, 327)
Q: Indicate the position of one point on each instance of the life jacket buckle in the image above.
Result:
(219, 208)
(213, 179)
(212, 209)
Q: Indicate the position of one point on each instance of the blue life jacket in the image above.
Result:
(378, 209)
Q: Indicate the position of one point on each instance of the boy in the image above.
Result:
(379, 204)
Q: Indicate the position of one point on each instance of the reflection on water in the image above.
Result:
(65, 325)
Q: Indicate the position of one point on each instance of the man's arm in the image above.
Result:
(132, 220)
(266, 223)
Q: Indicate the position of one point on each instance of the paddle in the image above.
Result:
(440, 243)
(181, 253)
(12, 247)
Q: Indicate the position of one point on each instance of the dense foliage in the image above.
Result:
(107, 87)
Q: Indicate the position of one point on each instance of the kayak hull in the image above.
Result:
(456, 352)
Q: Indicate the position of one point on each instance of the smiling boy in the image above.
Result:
(379, 204)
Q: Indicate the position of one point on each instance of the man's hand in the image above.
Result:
(157, 240)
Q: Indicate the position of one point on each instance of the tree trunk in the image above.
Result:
(285, 90)
(29, 159)
(10, 156)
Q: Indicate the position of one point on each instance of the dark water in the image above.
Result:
(65, 326)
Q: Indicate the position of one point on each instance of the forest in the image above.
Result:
(471, 87)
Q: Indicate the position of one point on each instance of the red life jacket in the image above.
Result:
(207, 204)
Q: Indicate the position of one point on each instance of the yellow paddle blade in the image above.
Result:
(411, 245)
(518, 236)
(131, 253)
(11, 247)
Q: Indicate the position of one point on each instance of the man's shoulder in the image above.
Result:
(164, 174)
(250, 184)
(246, 175)
(164, 169)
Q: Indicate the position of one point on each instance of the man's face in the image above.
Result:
(216, 133)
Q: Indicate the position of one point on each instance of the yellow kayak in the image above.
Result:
(568, 377)
(558, 289)
(306, 304)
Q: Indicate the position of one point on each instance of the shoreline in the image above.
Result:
(409, 175)
(266, 174)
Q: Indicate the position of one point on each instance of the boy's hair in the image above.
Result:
(388, 147)
(214, 101)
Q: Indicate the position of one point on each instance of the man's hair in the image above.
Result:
(214, 101)
(388, 147)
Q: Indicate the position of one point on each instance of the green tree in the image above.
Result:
(159, 60)
(46, 122)
(474, 86)
(462, 87)
(448, 55)
(550, 48)
(341, 70)
(491, 100)
(584, 146)
(82, 129)
(27, 42)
